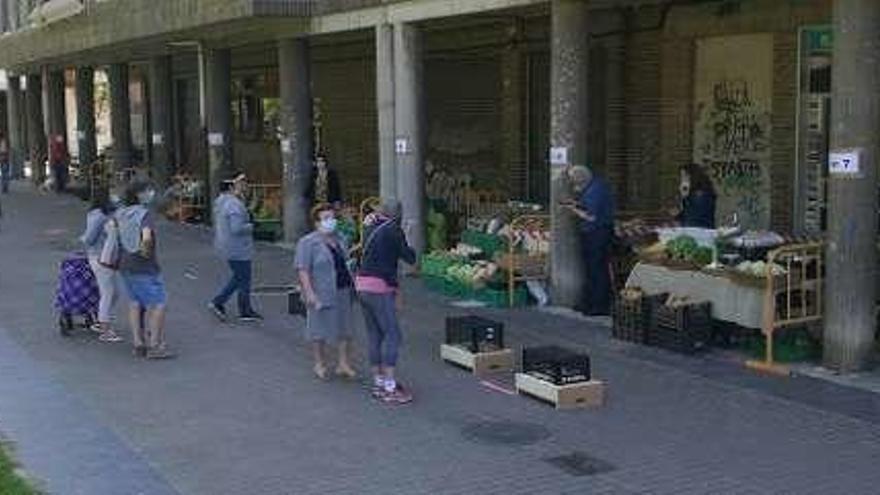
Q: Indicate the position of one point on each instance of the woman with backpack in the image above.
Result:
(378, 289)
(97, 220)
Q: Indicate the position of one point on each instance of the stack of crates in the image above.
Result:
(686, 329)
(556, 365)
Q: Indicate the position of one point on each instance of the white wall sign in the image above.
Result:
(158, 139)
(286, 146)
(844, 163)
(402, 146)
(215, 139)
(559, 156)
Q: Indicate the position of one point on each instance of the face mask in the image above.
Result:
(327, 225)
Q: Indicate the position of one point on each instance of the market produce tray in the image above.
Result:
(479, 363)
(632, 317)
(590, 393)
(685, 329)
(556, 365)
(475, 333)
(526, 265)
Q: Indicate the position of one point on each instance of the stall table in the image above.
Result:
(731, 301)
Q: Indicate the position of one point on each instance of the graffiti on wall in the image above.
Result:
(733, 125)
(737, 131)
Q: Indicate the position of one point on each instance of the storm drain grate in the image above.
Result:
(580, 464)
(509, 433)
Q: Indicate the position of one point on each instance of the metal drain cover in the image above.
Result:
(505, 433)
(580, 464)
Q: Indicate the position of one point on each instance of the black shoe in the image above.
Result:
(219, 311)
(250, 317)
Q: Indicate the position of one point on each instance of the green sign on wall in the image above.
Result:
(819, 39)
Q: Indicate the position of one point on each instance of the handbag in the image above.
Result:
(295, 304)
(110, 251)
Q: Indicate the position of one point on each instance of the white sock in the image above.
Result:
(379, 381)
(390, 385)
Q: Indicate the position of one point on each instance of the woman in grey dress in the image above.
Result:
(326, 287)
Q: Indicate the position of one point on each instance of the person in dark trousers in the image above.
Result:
(233, 240)
(58, 160)
(697, 198)
(323, 186)
(594, 207)
(5, 165)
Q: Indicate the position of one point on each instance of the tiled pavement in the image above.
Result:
(239, 413)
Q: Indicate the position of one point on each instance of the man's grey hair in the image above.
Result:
(580, 175)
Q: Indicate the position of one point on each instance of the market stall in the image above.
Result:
(755, 280)
(265, 202)
(188, 199)
(498, 261)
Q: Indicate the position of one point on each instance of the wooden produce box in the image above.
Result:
(573, 396)
(480, 363)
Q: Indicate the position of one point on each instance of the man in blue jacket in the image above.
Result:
(233, 240)
(594, 208)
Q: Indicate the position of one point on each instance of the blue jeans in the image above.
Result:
(383, 331)
(239, 282)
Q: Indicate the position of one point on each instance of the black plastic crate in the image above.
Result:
(685, 329)
(556, 365)
(475, 333)
(632, 317)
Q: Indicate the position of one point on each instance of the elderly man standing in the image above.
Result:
(233, 240)
(594, 206)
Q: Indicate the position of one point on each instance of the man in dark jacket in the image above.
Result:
(594, 208)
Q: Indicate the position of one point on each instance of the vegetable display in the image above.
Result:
(686, 248)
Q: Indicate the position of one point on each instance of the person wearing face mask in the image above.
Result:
(385, 245)
(233, 240)
(139, 268)
(594, 208)
(326, 287)
(99, 215)
(697, 198)
(323, 186)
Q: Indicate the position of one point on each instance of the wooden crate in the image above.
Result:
(480, 363)
(576, 395)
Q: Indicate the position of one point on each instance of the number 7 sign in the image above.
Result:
(844, 163)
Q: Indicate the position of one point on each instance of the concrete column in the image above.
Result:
(385, 109)
(297, 139)
(568, 131)
(219, 116)
(56, 117)
(161, 124)
(14, 105)
(120, 116)
(35, 130)
(852, 206)
(85, 115)
(409, 124)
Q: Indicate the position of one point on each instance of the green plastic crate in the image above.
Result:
(488, 243)
(499, 298)
(786, 349)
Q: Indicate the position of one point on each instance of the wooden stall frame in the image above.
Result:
(797, 286)
(512, 277)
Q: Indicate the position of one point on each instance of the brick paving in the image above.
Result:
(239, 413)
